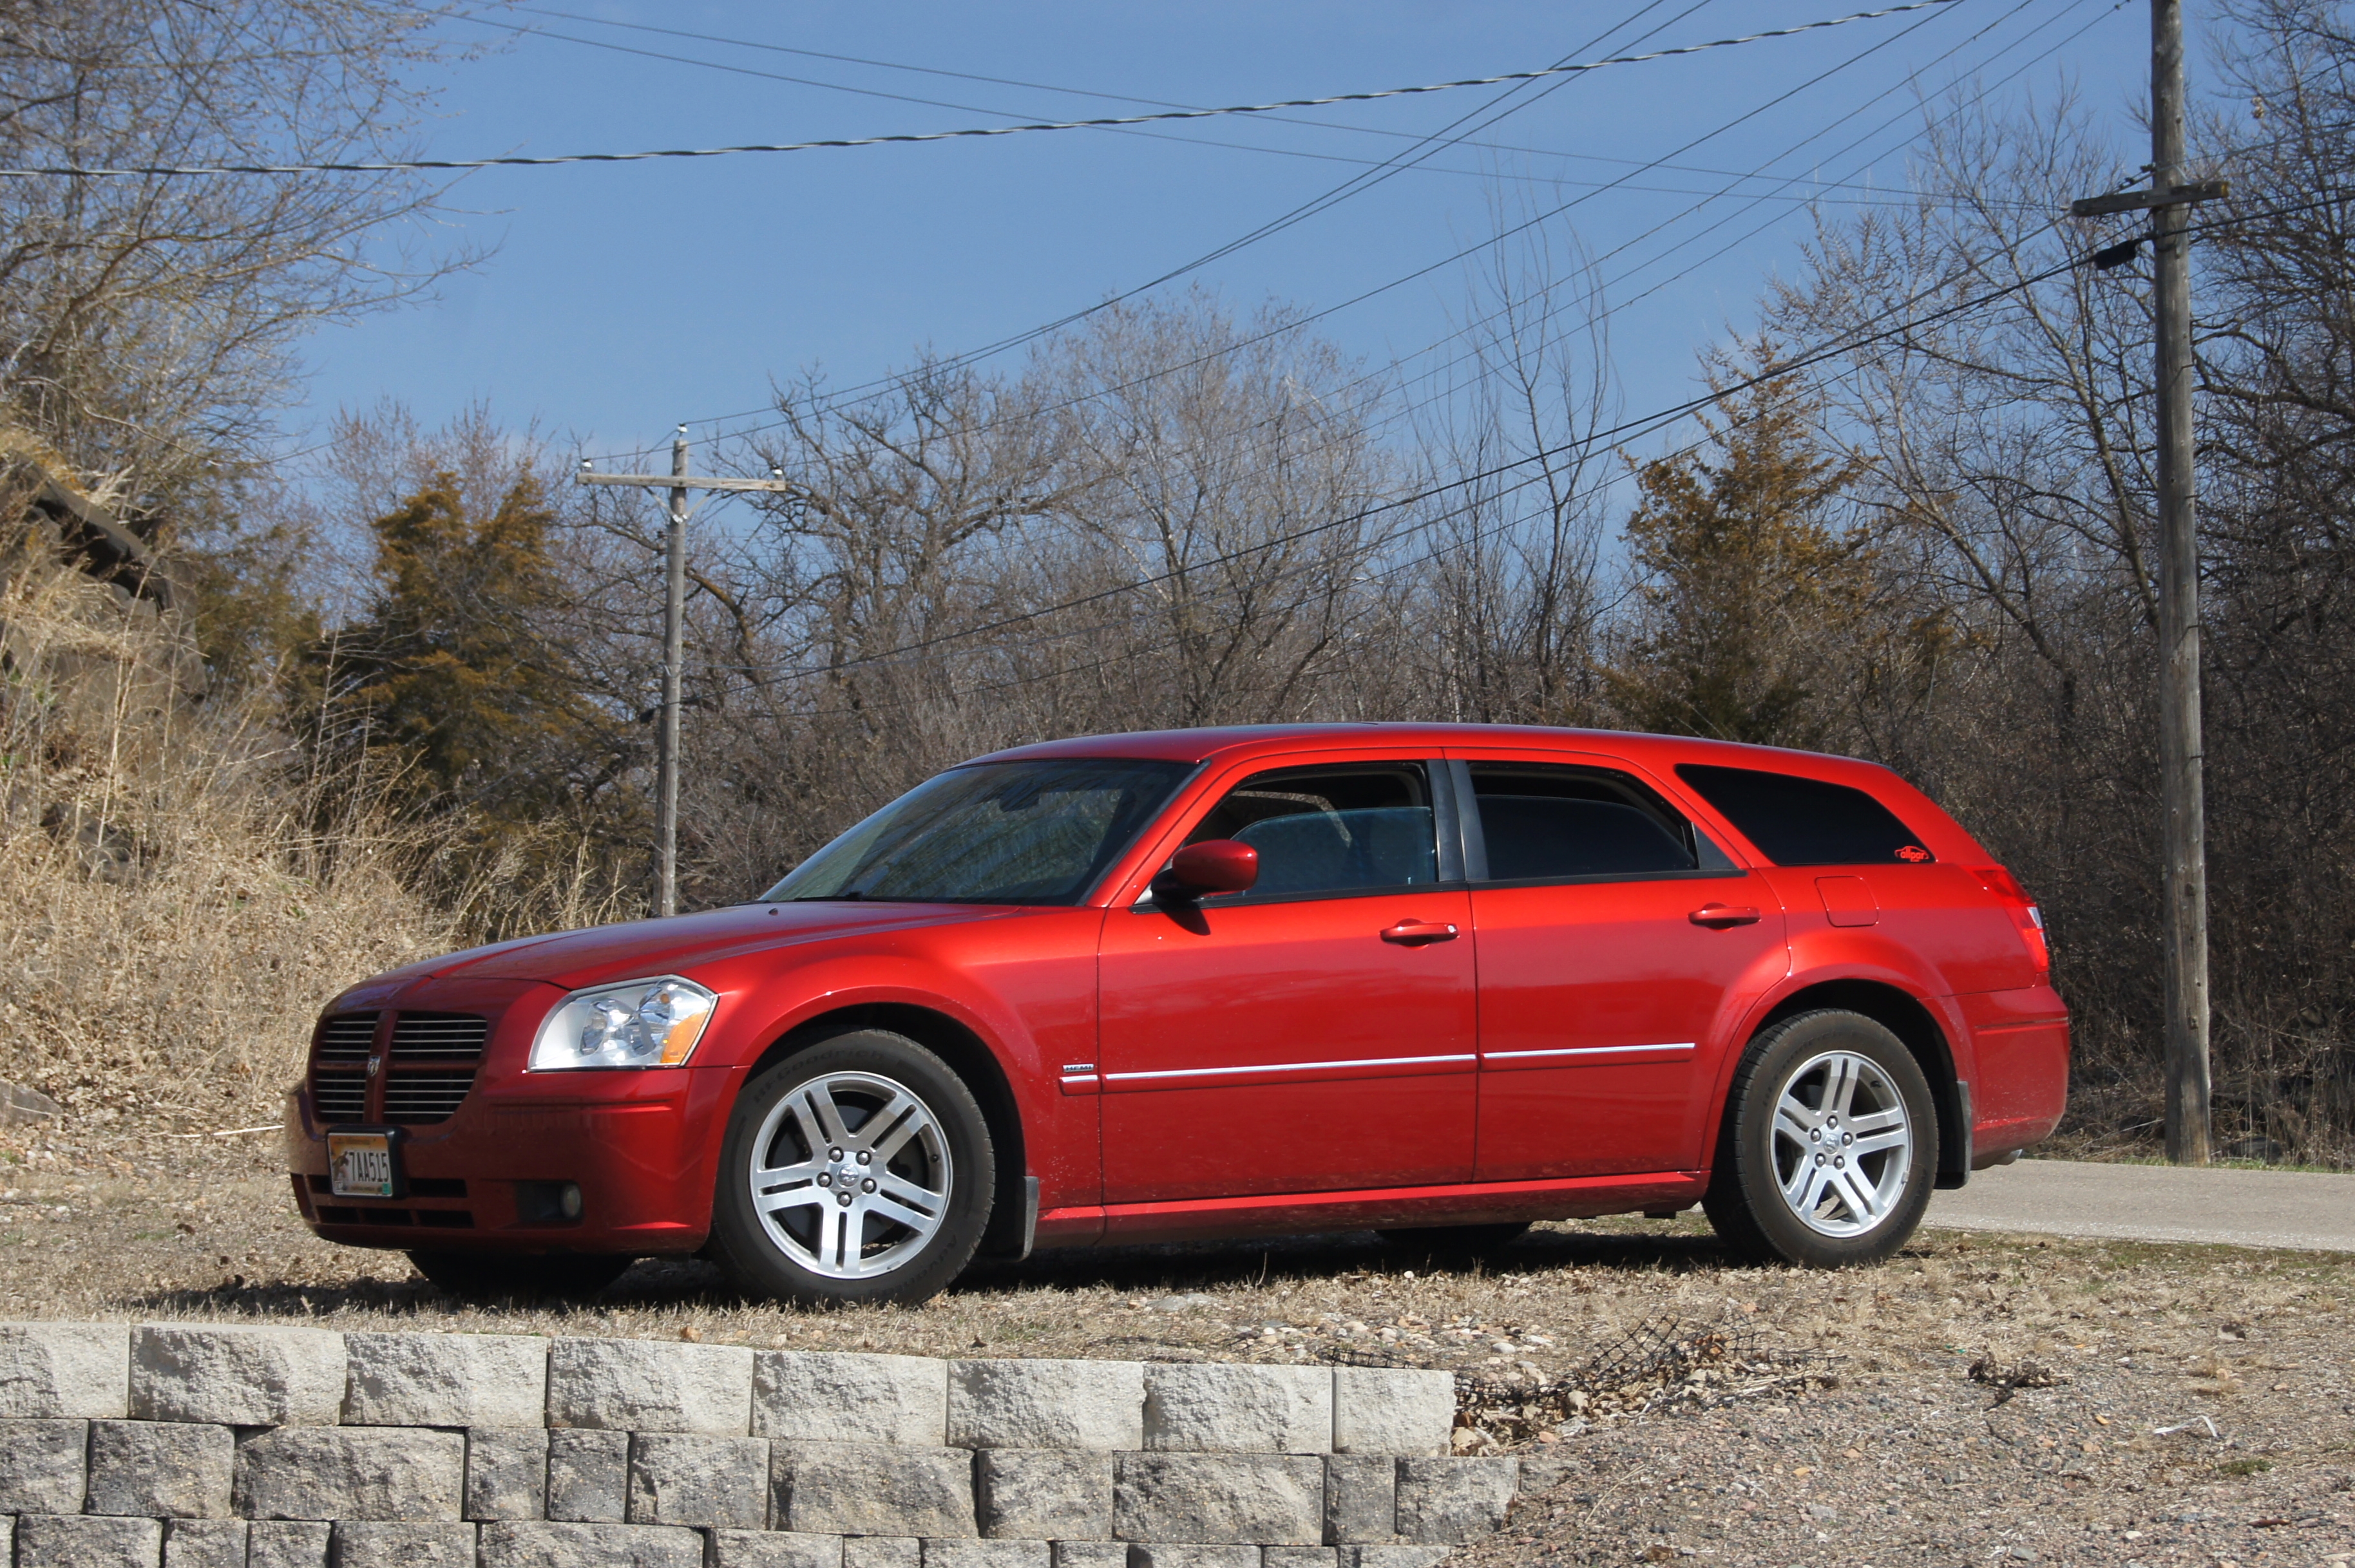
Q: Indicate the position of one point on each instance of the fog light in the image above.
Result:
(548, 1202)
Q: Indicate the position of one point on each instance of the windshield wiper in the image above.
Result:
(827, 897)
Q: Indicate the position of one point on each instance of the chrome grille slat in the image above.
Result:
(424, 1096)
(429, 1067)
(438, 1037)
(346, 1037)
(340, 1096)
(338, 1091)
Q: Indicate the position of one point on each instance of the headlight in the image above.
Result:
(637, 1023)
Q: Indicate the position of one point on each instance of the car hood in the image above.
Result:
(602, 953)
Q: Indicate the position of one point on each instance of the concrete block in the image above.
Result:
(204, 1543)
(85, 1541)
(351, 1473)
(882, 1551)
(849, 1488)
(1276, 1499)
(1360, 1499)
(1446, 1501)
(237, 1376)
(1091, 1554)
(1301, 1557)
(1392, 1410)
(588, 1476)
(1218, 1407)
(650, 1385)
(1400, 1556)
(713, 1483)
(42, 1466)
(1098, 1405)
(953, 1553)
(286, 1543)
(839, 1397)
(773, 1549)
(559, 1545)
(160, 1469)
(1164, 1555)
(53, 1370)
(384, 1544)
(1045, 1494)
(507, 1473)
(445, 1379)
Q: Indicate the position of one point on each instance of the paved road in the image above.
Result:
(2157, 1203)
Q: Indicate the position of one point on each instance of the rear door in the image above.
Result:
(1618, 945)
(1314, 1035)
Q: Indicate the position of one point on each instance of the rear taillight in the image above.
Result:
(2024, 915)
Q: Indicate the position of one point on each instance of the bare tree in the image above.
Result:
(146, 322)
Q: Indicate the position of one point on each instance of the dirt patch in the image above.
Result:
(1977, 1400)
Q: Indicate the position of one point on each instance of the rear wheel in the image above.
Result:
(478, 1276)
(1830, 1146)
(860, 1169)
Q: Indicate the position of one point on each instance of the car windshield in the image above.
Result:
(996, 833)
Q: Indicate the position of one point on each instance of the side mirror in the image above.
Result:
(1214, 865)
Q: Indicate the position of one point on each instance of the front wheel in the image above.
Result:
(1830, 1146)
(859, 1170)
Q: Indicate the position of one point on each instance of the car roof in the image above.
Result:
(1658, 753)
(1239, 741)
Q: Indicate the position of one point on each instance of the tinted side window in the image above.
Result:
(1332, 829)
(1548, 823)
(1805, 821)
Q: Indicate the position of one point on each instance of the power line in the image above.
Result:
(1096, 92)
(973, 355)
(399, 164)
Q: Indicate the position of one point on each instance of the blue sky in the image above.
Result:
(623, 299)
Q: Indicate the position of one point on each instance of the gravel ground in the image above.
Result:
(2131, 1403)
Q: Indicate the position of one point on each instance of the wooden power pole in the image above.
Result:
(2170, 201)
(679, 481)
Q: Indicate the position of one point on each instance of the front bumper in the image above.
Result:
(641, 1147)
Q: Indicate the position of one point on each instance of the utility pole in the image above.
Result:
(2170, 201)
(678, 483)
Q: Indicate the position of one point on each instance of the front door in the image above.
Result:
(1313, 1034)
(1618, 944)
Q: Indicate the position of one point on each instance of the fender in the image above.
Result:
(1024, 987)
(1874, 961)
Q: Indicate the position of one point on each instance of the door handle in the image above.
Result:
(1720, 917)
(1415, 933)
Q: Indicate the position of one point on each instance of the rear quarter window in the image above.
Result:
(1806, 821)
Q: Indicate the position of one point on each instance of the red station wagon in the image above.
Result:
(1449, 979)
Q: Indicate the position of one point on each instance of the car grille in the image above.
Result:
(339, 1066)
(431, 1065)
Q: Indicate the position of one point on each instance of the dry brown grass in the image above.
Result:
(179, 902)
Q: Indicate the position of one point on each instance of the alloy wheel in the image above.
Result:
(850, 1175)
(1843, 1143)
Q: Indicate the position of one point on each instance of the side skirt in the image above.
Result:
(1469, 1202)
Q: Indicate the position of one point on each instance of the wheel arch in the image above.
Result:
(970, 1057)
(1905, 1016)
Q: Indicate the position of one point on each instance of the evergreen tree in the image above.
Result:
(1746, 587)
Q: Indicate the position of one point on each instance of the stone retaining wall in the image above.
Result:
(203, 1446)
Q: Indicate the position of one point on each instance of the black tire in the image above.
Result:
(475, 1275)
(1866, 1208)
(1468, 1241)
(907, 1264)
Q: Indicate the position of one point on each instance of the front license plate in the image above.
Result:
(359, 1165)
